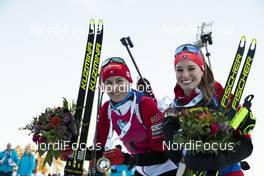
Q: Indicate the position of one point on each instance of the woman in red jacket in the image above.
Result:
(196, 88)
(136, 120)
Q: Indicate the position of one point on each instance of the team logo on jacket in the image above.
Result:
(121, 124)
(156, 129)
(155, 118)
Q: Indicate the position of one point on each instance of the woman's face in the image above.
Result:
(117, 88)
(188, 75)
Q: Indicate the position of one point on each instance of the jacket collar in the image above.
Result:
(182, 98)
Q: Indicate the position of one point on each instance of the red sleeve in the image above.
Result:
(219, 90)
(103, 125)
(152, 119)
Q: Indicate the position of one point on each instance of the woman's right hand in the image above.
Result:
(170, 124)
(222, 159)
(170, 127)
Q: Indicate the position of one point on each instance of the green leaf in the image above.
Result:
(189, 123)
(56, 154)
(73, 107)
(48, 158)
(41, 152)
(65, 103)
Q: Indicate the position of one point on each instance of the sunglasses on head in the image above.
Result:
(113, 59)
(188, 48)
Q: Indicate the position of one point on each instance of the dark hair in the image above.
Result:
(207, 83)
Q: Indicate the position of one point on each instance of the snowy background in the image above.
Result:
(42, 46)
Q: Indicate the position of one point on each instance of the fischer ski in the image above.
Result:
(232, 74)
(75, 161)
(241, 80)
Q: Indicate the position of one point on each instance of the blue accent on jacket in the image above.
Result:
(26, 164)
(8, 157)
(230, 169)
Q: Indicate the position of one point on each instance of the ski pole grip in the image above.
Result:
(242, 113)
(247, 102)
(130, 42)
(126, 42)
(123, 41)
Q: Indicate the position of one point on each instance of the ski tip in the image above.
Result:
(253, 44)
(254, 41)
(242, 42)
(100, 22)
(100, 26)
(243, 38)
(92, 21)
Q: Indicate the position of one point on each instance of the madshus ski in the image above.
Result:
(241, 80)
(75, 161)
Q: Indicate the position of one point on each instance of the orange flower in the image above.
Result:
(54, 122)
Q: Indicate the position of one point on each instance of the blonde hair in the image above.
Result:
(29, 151)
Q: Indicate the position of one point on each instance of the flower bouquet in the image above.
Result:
(204, 131)
(52, 131)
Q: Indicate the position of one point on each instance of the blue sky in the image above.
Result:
(42, 46)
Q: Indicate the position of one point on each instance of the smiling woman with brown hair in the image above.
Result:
(196, 88)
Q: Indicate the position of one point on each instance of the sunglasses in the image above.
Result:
(112, 59)
(189, 48)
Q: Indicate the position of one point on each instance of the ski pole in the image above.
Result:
(147, 88)
(208, 54)
(206, 38)
(126, 41)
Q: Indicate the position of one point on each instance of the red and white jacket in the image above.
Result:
(139, 127)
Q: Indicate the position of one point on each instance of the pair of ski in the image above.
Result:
(75, 161)
(241, 80)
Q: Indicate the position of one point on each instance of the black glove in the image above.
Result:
(143, 85)
(222, 159)
(170, 124)
(129, 159)
(244, 165)
(170, 127)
